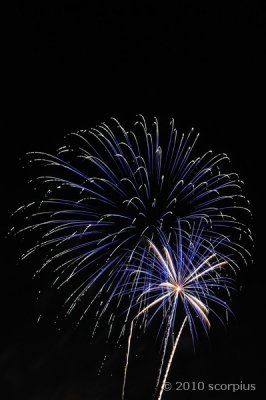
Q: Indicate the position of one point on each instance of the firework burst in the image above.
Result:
(102, 196)
(178, 282)
(141, 218)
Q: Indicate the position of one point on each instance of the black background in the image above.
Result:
(70, 66)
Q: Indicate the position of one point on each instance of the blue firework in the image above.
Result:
(113, 187)
(180, 284)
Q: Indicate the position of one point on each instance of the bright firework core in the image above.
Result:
(172, 286)
(178, 288)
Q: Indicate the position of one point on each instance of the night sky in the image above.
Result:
(72, 65)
